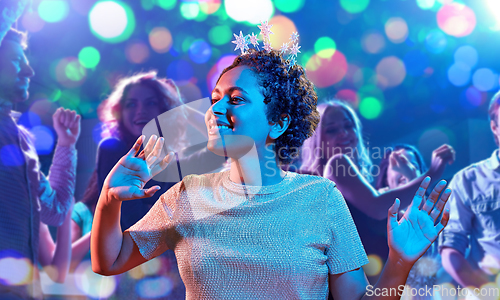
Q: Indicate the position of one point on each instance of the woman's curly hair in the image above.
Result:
(287, 92)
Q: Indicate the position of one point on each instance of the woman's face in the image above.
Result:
(338, 132)
(395, 178)
(237, 119)
(141, 105)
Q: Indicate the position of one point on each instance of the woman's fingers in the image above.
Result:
(444, 221)
(438, 208)
(433, 197)
(135, 148)
(155, 152)
(392, 217)
(150, 145)
(419, 195)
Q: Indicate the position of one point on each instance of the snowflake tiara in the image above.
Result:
(291, 48)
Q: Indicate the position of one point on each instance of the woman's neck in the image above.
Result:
(256, 169)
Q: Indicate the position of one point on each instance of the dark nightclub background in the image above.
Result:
(417, 71)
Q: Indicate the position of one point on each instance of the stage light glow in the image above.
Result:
(396, 30)
(15, 271)
(69, 72)
(289, 6)
(472, 98)
(494, 7)
(282, 28)
(349, 96)
(220, 35)
(209, 7)
(426, 4)
(251, 11)
(111, 21)
(137, 52)
(53, 11)
(415, 62)
(166, 4)
(189, 10)
(324, 72)
(44, 139)
(354, 6)
(456, 19)
(370, 108)
(459, 74)
(391, 72)
(32, 22)
(154, 287)
(325, 47)
(373, 42)
(200, 51)
(467, 55)
(29, 120)
(436, 41)
(215, 71)
(147, 4)
(485, 79)
(160, 39)
(374, 266)
(92, 284)
(89, 57)
(180, 70)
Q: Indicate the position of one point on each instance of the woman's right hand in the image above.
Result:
(128, 177)
(400, 163)
(440, 157)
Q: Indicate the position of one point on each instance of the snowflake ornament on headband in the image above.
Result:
(291, 48)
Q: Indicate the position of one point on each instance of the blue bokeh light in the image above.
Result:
(44, 139)
(200, 51)
(467, 55)
(180, 70)
(459, 74)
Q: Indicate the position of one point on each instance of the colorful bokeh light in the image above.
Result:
(180, 70)
(166, 4)
(370, 108)
(373, 42)
(160, 39)
(200, 51)
(456, 19)
(32, 21)
(189, 10)
(92, 284)
(485, 79)
(325, 47)
(374, 266)
(282, 28)
(435, 41)
(354, 6)
(89, 57)
(217, 69)
(426, 4)
(209, 7)
(391, 72)
(459, 74)
(396, 30)
(252, 12)
(111, 21)
(220, 35)
(137, 52)
(15, 271)
(467, 55)
(289, 6)
(324, 72)
(69, 72)
(53, 11)
(349, 96)
(157, 287)
(44, 139)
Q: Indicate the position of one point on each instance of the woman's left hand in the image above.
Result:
(413, 234)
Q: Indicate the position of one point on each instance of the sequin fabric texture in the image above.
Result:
(247, 242)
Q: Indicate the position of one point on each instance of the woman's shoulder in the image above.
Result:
(311, 180)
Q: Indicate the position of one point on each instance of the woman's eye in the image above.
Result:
(332, 130)
(130, 105)
(236, 99)
(152, 103)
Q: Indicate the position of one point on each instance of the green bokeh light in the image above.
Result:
(56, 94)
(325, 47)
(370, 108)
(289, 6)
(202, 16)
(69, 99)
(186, 43)
(53, 10)
(354, 6)
(426, 4)
(190, 11)
(305, 57)
(75, 71)
(166, 4)
(147, 4)
(89, 57)
(220, 35)
(112, 30)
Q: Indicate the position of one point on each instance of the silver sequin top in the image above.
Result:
(247, 242)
